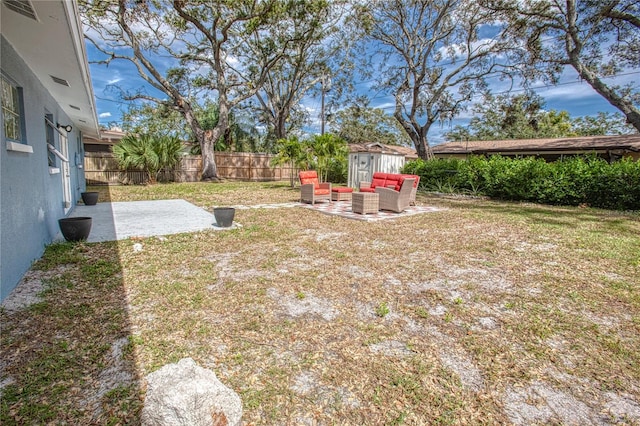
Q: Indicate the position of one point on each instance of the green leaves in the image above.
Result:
(573, 181)
(524, 117)
(325, 153)
(148, 153)
(363, 124)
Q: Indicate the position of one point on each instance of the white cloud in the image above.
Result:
(105, 115)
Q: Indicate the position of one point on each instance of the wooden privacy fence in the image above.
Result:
(101, 168)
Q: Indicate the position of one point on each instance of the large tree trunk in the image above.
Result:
(423, 149)
(279, 127)
(206, 139)
(209, 168)
(417, 135)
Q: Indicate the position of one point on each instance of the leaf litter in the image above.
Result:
(284, 311)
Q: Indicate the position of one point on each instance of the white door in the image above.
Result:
(66, 173)
(364, 167)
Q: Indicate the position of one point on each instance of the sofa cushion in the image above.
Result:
(394, 181)
(379, 179)
(389, 180)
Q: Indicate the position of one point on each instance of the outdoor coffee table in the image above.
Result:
(364, 202)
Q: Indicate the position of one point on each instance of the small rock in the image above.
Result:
(137, 247)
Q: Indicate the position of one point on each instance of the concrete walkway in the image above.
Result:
(121, 220)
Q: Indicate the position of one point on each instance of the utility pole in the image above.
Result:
(325, 82)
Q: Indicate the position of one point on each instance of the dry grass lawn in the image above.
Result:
(481, 313)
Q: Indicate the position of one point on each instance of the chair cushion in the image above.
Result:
(322, 191)
(309, 177)
(367, 190)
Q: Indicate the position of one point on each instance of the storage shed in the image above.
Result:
(367, 158)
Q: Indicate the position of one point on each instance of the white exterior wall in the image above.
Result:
(362, 165)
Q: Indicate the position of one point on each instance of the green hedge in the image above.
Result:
(571, 181)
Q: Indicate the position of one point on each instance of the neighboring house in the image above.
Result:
(610, 148)
(104, 143)
(47, 107)
(367, 158)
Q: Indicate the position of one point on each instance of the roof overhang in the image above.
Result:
(379, 148)
(52, 45)
(526, 152)
(572, 145)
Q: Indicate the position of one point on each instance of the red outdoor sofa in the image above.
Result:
(393, 181)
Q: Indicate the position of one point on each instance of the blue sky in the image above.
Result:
(571, 94)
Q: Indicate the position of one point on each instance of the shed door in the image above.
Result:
(364, 167)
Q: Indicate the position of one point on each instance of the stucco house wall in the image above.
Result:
(32, 194)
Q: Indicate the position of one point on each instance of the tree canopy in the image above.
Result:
(597, 38)
(361, 124)
(314, 33)
(524, 117)
(432, 58)
(202, 42)
(210, 61)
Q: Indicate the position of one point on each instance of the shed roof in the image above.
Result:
(377, 147)
(580, 144)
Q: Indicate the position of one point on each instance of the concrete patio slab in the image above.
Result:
(121, 220)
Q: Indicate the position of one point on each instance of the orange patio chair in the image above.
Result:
(311, 190)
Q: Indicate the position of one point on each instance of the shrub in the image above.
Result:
(571, 181)
(434, 174)
(615, 186)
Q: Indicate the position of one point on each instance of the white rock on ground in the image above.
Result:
(187, 394)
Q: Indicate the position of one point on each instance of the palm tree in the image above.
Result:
(148, 153)
(289, 151)
(326, 150)
(169, 150)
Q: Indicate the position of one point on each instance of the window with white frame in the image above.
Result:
(12, 112)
